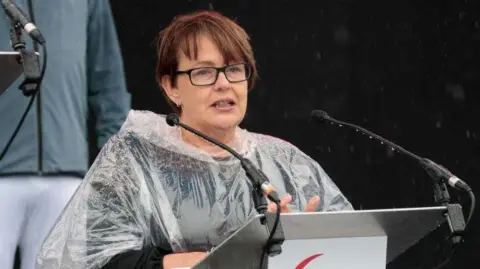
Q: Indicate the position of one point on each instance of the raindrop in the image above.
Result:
(457, 92)
(390, 153)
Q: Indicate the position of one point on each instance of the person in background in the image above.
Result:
(158, 196)
(50, 155)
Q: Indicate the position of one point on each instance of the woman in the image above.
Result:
(160, 197)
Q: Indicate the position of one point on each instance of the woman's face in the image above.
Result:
(217, 107)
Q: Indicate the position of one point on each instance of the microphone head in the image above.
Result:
(320, 114)
(172, 119)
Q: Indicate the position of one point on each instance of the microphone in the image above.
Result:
(258, 178)
(433, 169)
(439, 174)
(17, 16)
(260, 183)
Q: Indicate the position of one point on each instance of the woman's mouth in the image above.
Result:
(224, 105)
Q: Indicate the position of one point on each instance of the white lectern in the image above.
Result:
(367, 239)
(10, 69)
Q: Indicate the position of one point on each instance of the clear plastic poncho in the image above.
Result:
(149, 187)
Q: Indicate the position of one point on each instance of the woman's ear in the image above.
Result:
(171, 91)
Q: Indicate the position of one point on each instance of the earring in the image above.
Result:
(178, 105)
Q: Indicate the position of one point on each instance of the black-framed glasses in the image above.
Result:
(204, 76)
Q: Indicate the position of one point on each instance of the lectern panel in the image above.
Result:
(10, 69)
(331, 239)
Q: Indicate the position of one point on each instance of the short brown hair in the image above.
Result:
(231, 39)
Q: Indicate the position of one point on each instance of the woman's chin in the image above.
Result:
(225, 122)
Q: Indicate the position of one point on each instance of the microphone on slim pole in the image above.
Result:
(436, 171)
(33, 75)
(261, 185)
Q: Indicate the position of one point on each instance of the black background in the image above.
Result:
(407, 70)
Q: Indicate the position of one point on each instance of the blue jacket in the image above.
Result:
(84, 75)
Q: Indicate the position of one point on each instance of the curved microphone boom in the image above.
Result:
(431, 167)
(437, 172)
(259, 179)
(261, 185)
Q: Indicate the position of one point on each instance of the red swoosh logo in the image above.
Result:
(307, 261)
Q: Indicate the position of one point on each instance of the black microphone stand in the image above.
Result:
(28, 59)
(454, 213)
(271, 220)
(33, 75)
(274, 245)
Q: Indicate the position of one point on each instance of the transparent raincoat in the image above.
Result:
(148, 187)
